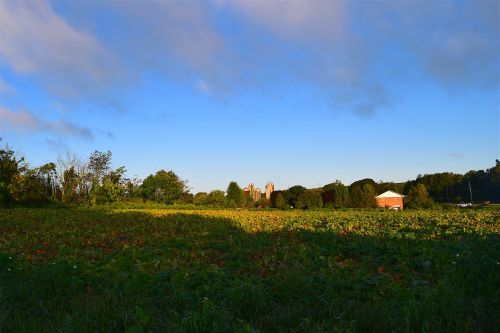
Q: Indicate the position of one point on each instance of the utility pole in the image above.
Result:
(470, 192)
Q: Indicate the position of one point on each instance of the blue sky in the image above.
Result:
(294, 92)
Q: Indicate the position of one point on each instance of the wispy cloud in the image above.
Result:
(455, 155)
(68, 63)
(26, 121)
(347, 51)
(5, 87)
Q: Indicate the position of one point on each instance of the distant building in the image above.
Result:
(252, 192)
(390, 199)
(269, 190)
(257, 194)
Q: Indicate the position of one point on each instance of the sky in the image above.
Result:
(293, 92)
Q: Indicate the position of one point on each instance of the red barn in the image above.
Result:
(390, 199)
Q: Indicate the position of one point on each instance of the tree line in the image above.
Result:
(93, 181)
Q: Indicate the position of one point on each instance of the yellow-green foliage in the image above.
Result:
(248, 270)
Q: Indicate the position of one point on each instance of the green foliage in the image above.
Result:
(362, 196)
(263, 202)
(216, 198)
(164, 186)
(310, 199)
(69, 185)
(142, 270)
(99, 165)
(336, 195)
(418, 197)
(280, 202)
(235, 194)
(293, 193)
(200, 198)
(11, 168)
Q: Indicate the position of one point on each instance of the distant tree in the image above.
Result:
(164, 186)
(362, 196)
(364, 182)
(418, 197)
(335, 195)
(132, 187)
(99, 164)
(389, 186)
(37, 186)
(249, 202)
(440, 186)
(310, 199)
(235, 194)
(292, 194)
(69, 185)
(48, 172)
(280, 201)
(263, 202)
(216, 198)
(112, 188)
(274, 195)
(200, 198)
(186, 198)
(11, 168)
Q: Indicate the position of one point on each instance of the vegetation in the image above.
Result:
(235, 195)
(104, 270)
(418, 197)
(93, 181)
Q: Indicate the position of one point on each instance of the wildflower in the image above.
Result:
(10, 258)
(8, 269)
(74, 267)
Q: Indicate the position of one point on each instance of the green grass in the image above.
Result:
(104, 270)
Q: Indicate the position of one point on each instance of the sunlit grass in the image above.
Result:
(237, 270)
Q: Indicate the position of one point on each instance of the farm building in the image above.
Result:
(390, 199)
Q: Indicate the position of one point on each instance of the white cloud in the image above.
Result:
(35, 40)
(302, 20)
(26, 121)
(348, 52)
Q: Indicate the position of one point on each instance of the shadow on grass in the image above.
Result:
(97, 271)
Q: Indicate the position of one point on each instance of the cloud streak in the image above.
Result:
(70, 64)
(342, 49)
(27, 122)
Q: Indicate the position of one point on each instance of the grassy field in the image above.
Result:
(111, 270)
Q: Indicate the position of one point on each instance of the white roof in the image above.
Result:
(390, 194)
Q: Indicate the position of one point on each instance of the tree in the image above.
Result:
(235, 194)
(74, 179)
(216, 198)
(164, 186)
(362, 196)
(292, 194)
(280, 201)
(112, 189)
(69, 185)
(200, 198)
(310, 199)
(418, 197)
(99, 165)
(11, 168)
(186, 198)
(263, 202)
(336, 195)
(48, 171)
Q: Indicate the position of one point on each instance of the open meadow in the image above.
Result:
(141, 270)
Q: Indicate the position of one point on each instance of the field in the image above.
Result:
(117, 270)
